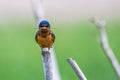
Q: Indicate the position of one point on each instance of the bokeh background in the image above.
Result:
(76, 37)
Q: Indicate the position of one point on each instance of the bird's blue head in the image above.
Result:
(44, 23)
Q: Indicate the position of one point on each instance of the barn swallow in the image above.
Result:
(44, 36)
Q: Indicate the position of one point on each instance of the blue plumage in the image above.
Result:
(44, 22)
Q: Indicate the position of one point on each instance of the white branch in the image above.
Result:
(106, 47)
(38, 10)
(76, 68)
(50, 66)
(54, 65)
(47, 62)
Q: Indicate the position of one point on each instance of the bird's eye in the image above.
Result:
(44, 25)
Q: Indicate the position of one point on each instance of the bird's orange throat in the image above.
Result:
(44, 32)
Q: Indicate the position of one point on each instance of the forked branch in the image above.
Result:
(105, 45)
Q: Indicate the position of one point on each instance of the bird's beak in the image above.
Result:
(44, 28)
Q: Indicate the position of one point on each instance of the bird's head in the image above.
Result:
(44, 26)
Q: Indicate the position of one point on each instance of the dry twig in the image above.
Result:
(105, 45)
(38, 10)
(47, 61)
(76, 68)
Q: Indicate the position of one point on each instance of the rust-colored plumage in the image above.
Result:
(44, 36)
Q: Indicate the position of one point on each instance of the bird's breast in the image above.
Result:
(45, 41)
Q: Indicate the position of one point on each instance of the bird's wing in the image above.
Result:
(37, 34)
(53, 35)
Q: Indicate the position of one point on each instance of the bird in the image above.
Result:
(45, 36)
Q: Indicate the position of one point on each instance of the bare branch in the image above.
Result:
(105, 45)
(38, 10)
(54, 65)
(50, 66)
(47, 65)
(76, 68)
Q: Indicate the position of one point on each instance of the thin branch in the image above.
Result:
(47, 61)
(105, 45)
(50, 65)
(76, 68)
(38, 10)
(54, 65)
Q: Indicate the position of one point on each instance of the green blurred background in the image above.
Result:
(76, 37)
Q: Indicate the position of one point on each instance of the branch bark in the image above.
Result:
(76, 68)
(47, 65)
(105, 45)
(50, 66)
(38, 10)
